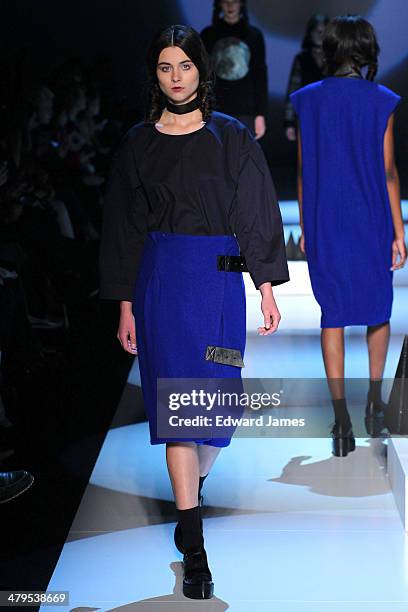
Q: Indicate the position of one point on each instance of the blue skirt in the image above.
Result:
(181, 305)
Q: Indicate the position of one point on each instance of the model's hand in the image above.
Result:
(291, 133)
(269, 310)
(398, 250)
(302, 244)
(127, 328)
(260, 126)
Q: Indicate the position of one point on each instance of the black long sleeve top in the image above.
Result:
(237, 53)
(214, 181)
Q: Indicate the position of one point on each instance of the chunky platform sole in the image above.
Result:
(203, 590)
(342, 446)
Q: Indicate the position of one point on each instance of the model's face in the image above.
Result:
(318, 34)
(177, 75)
(231, 10)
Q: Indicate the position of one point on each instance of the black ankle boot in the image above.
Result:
(197, 581)
(343, 441)
(178, 538)
(375, 409)
(374, 416)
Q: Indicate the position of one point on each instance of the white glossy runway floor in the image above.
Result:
(288, 526)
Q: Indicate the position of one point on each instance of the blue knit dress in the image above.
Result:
(347, 218)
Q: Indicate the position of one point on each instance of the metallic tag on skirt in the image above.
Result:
(226, 356)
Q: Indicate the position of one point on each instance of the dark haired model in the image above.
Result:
(307, 67)
(190, 203)
(237, 51)
(350, 209)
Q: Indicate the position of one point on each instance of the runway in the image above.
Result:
(288, 526)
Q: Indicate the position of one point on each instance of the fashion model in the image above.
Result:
(350, 208)
(190, 204)
(237, 51)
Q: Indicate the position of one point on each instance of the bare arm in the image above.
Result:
(127, 330)
(393, 187)
(269, 309)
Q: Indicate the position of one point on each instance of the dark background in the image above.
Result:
(39, 35)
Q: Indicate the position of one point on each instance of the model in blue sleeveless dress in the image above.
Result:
(347, 218)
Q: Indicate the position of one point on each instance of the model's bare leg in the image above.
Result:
(378, 337)
(332, 342)
(184, 471)
(186, 462)
(206, 456)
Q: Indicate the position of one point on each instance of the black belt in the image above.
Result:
(231, 263)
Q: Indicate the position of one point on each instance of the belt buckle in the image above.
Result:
(231, 263)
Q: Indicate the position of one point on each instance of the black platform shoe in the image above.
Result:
(197, 581)
(343, 441)
(375, 417)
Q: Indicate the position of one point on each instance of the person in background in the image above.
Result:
(350, 207)
(307, 67)
(237, 51)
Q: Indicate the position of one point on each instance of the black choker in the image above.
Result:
(181, 109)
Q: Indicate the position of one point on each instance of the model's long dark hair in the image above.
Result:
(216, 16)
(187, 39)
(314, 21)
(350, 40)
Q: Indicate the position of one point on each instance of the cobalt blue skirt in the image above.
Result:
(181, 305)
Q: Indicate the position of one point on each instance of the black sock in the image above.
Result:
(374, 392)
(341, 414)
(200, 484)
(190, 527)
